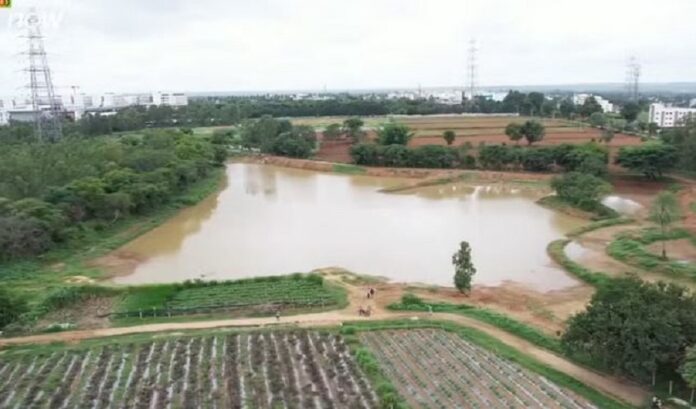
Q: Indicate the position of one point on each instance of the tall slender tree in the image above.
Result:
(464, 269)
(665, 211)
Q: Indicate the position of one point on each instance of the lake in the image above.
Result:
(268, 220)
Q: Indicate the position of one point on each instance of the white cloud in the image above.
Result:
(224, 45)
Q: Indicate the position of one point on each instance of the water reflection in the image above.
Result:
(271, 221)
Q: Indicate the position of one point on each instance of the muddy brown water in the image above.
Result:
(268, 220)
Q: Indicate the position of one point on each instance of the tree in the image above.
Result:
(332, 132)
(688, 370)
(533, 131)
(11, 307)
(650, 159)
(567, 108)
(353, 128)
(653, 128)
(589, 107)
(664, 211)
(464, 269)
(582, 190)
(22, 237)
(514, 132)
(598, 120)
(630, 111)
(635, 328)
(449, 137)
(393, 133)
(607, 136)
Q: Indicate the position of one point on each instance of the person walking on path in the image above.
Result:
(277, 315)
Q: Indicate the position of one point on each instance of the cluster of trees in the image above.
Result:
(683, 139)
(589, 158)
(532, 131)
(428, 156)
(352, 129)
(637, 329)
(49, 193)
(278, 137)
(652, 159)
(391, 150)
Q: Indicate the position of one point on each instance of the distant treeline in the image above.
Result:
(233, 110)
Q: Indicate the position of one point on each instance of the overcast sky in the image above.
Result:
(235, 45)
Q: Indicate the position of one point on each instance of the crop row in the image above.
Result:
(437, 369)
(290, 370)
(250, 293)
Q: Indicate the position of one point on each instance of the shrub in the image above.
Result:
(581, 190)
(11, 307)
(393, 133)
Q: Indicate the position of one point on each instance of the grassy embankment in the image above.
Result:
(412, 303)
(499, 348)
(692, 206)
(599, 212)
(556, 250)
(630, 248)
(347, 169)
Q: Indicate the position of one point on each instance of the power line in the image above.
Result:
(633, 71)
(472, 68)
(46, 109)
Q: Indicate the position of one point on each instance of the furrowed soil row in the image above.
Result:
(439, 369)
(268, 370)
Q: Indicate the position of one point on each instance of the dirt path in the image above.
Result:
(386, 294)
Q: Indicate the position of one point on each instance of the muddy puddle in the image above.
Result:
(269, 220)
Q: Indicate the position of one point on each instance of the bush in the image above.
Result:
(498, 157)
(393, 133)
(537, 160)
(581, 190)
(22, 237)
(411, 299)
(11, 307)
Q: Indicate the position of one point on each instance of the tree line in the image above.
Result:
(51, 193)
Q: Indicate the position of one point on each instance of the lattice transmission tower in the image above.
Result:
(47, 109)
(472, 68)
(633, 71)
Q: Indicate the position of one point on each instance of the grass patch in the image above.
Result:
(502, 321)
(692, 206)
(601, 224)
(556, 250)
(347, 169)
(260, 295)
(499, 348)
(600, 211)
(630, 248)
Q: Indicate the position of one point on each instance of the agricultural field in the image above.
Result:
(293, 369)
(438, 369)
(472, 130)
(264, 294)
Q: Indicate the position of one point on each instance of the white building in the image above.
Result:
(666, 116)
(607, 107)
(169, 98)
(692, 103)
(4, 117)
